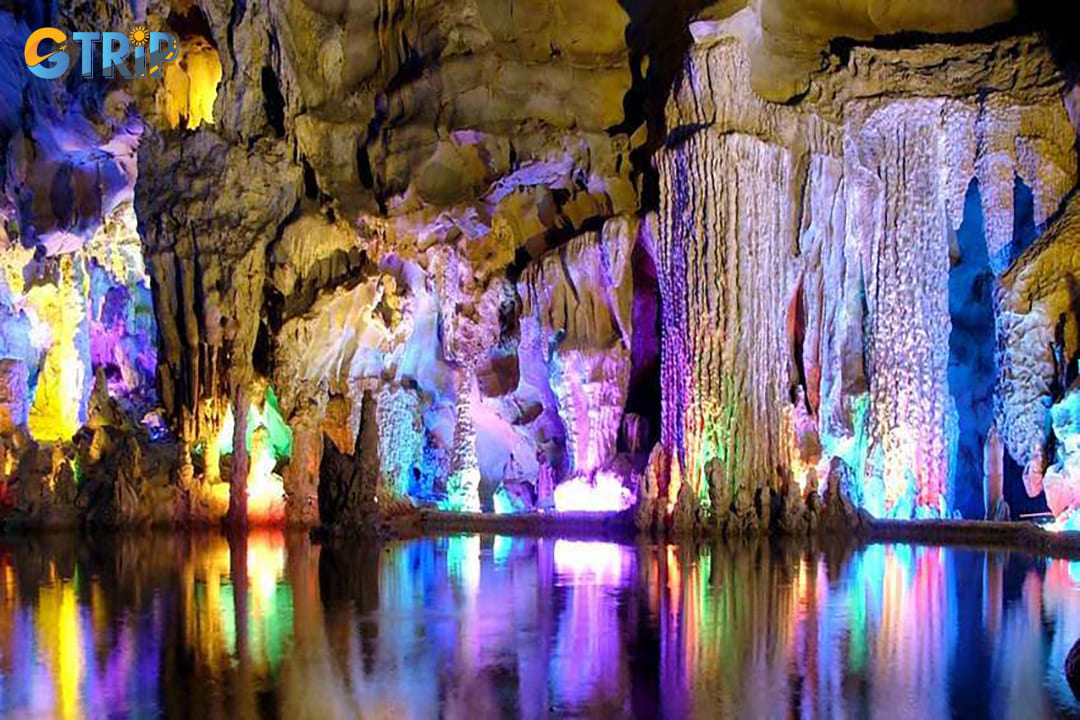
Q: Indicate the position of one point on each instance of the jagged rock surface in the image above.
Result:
(478, 216)
(806, 249)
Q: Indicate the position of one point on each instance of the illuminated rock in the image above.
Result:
(353, 496)
(1061, 482)
(684, 516)
(462, 487)
(513, 497)
(994, 477)
(265, 488)
(401, 438)
(58, 313)
(838, 513)
(577, 330)
(772, 287)
(604, 493)
(300, 477)
(720, 496)
(14, 391)
(475, 218)
(190, 85)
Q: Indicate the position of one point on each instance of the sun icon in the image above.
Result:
(139, 36)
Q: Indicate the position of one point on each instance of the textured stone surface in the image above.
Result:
(576, 336)
(1037, 332)
(807, 249)
(792, 34)
(477, 217)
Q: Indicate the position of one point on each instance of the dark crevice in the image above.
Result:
(363, 166)
(191, 24)
(273, 101)
(797, 340)
(236, 16)
(680, 135)
(522, 258)
(1060, 37)
(554, 238)
(657, 36)
(374, 132)
(1024, 23)
(340, 270)
(411, 69)
(645, 397)
(312, 191)
(262, 355)
(972, 367)
(1024, 230)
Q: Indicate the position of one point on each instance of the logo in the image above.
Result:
(137, 54)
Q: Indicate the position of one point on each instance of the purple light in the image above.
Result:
(605, 493)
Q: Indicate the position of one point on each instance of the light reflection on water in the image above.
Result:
(483, 627)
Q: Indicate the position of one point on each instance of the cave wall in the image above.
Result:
(374, 224)
(705, 258)
(804, 256)
(78, 333)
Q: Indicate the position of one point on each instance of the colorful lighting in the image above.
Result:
(58, 409)
(605, 493)
(586, 562)
(268, 440)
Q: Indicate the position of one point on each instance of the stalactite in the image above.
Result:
(401, 438)
(727, 266)
(577, 331)
(907, 297)
(804, 251)
(462, 487)
(300, 477)
(238, 482)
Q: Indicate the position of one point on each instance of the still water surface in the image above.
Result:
(488, 627)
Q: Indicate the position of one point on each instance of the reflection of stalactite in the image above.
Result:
(590, 667)
(742, 629)
(311, 684)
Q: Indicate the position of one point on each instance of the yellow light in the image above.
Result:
(61, 641)
(265, 565)
(190, 86)
(54, 415)
(265, 489)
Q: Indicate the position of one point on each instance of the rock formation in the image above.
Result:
(806, 249)
(1072, 669)
(726, 266)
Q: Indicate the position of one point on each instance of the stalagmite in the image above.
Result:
(994, 477)
(785, 249)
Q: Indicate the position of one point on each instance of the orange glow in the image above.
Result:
(265, 488)
(190, 86)
(205, 627)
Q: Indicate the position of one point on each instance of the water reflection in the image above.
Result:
(479, 627)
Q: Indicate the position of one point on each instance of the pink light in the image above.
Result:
(592, 563)
(605, 493)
